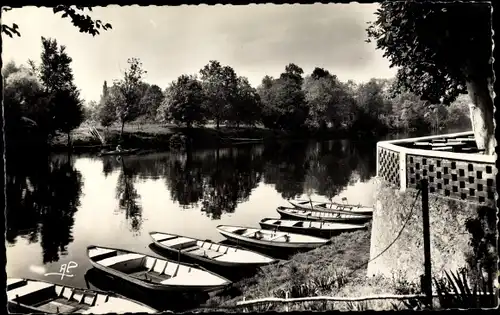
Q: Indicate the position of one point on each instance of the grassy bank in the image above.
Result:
(157, 136)
(338, 269)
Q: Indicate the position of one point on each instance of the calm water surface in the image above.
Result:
(57, 206)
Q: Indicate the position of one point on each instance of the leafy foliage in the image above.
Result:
(454, 291)
(151, 100)
(283, 100)
(435, 50)
(126, 94)
(220, 84)
(183, 104)
(443, 49)
(246, 106)
(83, 22)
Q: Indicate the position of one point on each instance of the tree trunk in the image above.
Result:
(481, 114)
(121, 131)
(69, 140)
(218, 123)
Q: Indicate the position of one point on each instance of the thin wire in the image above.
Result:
(394, 241)
(357, 268)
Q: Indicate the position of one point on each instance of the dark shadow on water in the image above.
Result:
(161, 301)
(43, 195)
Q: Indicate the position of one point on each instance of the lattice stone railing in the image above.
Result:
(463, 176)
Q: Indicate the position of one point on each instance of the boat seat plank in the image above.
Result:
(170, 270)
(121, 258)
(31, 287)
(190, 249)
(249, 234)
(99, 251)
(207, 253)
(160, 266)
(166, 237)
(179, 242)
(54, 307)
(276, 237)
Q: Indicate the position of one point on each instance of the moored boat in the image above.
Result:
(314, 215)
(331, 207)
(121, 152)
(28, 296)
(210, 252)
(154, 273)
(270, 239)
(315, 228)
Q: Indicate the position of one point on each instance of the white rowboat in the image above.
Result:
(315, 228)
(154, 273)
(331, 207)
(35, 296)
(314, 215)
(210, 252)
(269, 239)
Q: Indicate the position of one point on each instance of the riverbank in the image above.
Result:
(158, 137)
(338, 269)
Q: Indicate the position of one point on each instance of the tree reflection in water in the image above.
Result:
(218, 180)
(128, 198)
(43, 194)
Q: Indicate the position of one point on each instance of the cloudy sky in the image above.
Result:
(255, 40)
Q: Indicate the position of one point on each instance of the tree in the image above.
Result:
(184, 102)
(57, 78)
(152, 99)
(442, 50)
(269, 113)
(92, 111)
(128, 93)
(289, 99)
(219, 86)
(327, 99)
(83, 22)
(245, 107)
(69, 111)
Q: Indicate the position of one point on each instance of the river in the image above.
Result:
(57, 206)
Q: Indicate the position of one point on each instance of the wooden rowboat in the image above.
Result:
(269, 239)
(331, 207)
(314, 215)
(35, 296)
(154, 273)
(121, 152)
(314, 228)
(210, 252)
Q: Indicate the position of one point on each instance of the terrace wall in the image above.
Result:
(460, 186)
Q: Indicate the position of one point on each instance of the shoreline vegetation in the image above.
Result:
(337, 269)
(44, 108)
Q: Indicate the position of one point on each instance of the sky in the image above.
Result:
(256, 40)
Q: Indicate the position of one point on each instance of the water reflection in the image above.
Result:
(42, 197)
(218, 180)
(128, 198)
(44, 193)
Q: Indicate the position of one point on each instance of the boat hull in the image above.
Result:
(208, 260)
(325, 233)
(354, 218)
(123, 152)
(269, 245)
(157, 287)
(323, 207)
(28, 296)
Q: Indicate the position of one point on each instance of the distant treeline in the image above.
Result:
(291, 102)
(42, 101)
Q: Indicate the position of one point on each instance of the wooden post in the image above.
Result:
(427, 280)
(286, 303)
